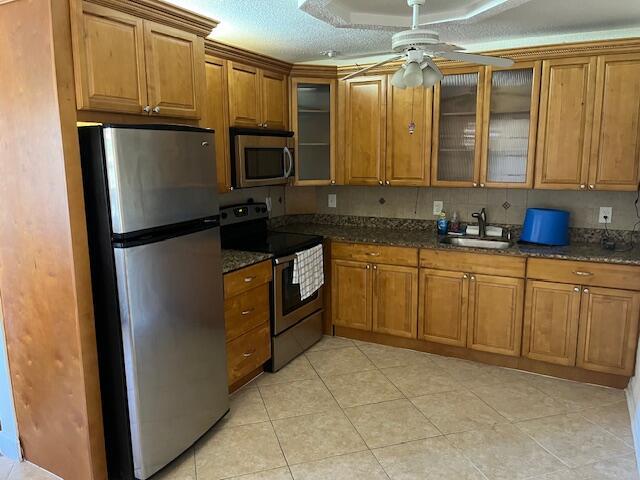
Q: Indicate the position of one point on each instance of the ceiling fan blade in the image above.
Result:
(429, 61)
(481, 59)
(371, 67)
(361, 55)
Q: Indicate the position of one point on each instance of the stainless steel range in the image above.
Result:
(296, 324)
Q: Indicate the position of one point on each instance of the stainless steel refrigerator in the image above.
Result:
(152, 217)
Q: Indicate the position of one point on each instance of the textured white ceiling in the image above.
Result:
(279, 29)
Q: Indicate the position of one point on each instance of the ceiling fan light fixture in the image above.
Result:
(430, 77)
(397, 80)
(412, 75)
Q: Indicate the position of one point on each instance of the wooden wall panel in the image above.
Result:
(44, 263)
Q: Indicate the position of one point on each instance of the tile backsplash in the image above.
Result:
(417, 203)
(257, 194)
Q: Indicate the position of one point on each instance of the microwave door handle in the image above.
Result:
(289, 157)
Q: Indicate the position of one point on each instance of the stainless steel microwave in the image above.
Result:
(261, 157)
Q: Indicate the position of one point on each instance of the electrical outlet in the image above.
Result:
(605, 212)
(331, 200)
(268, 202)
(438, 205)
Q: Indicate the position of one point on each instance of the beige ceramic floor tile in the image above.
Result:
(390, 423)
(574, 439)
(418, 380)
(620, 468)
(339, 361)
(298, 369)
(576, 396)
(182, 468)
(503, 452)
(361, 388)
(457, 411)
(384, 356)
(518, 400)
(354, 466)
(234, 451)
(614, 419)
(28, 471)
(297, 398)
(327, 342)
(314, 437)
(276, 474)
(5, 467)
(430, 459)
(470, 374)
(564, 474)
(246, 407)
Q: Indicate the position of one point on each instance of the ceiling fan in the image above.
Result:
(417, 47)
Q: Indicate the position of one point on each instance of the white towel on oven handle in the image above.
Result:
(308, 271)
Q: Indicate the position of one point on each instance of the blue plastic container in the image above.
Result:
(546, 226)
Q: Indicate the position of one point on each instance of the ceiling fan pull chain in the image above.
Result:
(412, 124)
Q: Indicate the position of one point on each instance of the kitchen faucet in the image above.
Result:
(482, 222)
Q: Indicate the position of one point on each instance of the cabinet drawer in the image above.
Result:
(473, 263)
(246, 279)
(585, 273)
(248, 352)
(246, 311)
(360, 252)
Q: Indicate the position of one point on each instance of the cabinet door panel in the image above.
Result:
(275, 103)
(443, 307)
(215, 114)
(175, 70)
(109, 60)
(565, 123)
(552, 313)
(615, 154)
(408, 154)
(365, 130)
(395, 300)
(244, 95)
(495, 314)
(608, 330)
(351, 294)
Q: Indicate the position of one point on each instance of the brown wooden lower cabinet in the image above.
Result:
(395, 300)
(443, 307)
(248, 352)
(351, 294)
(608, 332)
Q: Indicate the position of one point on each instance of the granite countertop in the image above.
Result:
(428, 239)
(237, 259)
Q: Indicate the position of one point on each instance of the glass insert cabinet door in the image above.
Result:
(510, 125)
(457, 113)
(313, 112)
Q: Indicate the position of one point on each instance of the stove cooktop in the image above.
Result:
(279, 244)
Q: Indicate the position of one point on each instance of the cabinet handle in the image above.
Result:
(247, 312)
(592, 187)
(373, 254)
(248, 354)
(205, 144)
(583, 186)
(576, 289)
(156, 109)
(146, 109)
(586, 290)
(249, 279)
(583, 274)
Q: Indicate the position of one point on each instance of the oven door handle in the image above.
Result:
(282, 260)
(287, 157)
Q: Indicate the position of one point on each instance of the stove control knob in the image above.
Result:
(257, 209)
(224, 215)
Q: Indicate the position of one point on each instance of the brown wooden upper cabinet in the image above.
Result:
(257, 98)
(313, 118)
(215, 114)
(124, 64)
(615, 148)
(509, 126)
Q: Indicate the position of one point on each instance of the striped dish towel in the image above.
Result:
(308, 271)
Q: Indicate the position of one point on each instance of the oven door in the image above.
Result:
(289, 308)
(262, 160)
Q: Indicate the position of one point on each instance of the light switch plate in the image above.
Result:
(605, 211)
(331, 200)
(268, 202)
(438, 205)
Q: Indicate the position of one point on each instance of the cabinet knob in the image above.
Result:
(592, 187)
(156, 109)
(482, 185)
(368, 266)
(380, 182)
(475, 184)
(231, 189)
(333, 182)
(388, 182)
(472, 278)
(265, 125)
(146, 109)
(586, 290)
(576, 289)
(465, 276)
(375, 267)
(583, 186)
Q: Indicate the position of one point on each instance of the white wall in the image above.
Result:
(9, 444)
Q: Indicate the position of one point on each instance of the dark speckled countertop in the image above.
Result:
(428, 239)
(237, 259)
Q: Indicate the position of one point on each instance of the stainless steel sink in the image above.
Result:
(472, 242)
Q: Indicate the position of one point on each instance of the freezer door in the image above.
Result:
(159, 176)
(171, 308)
